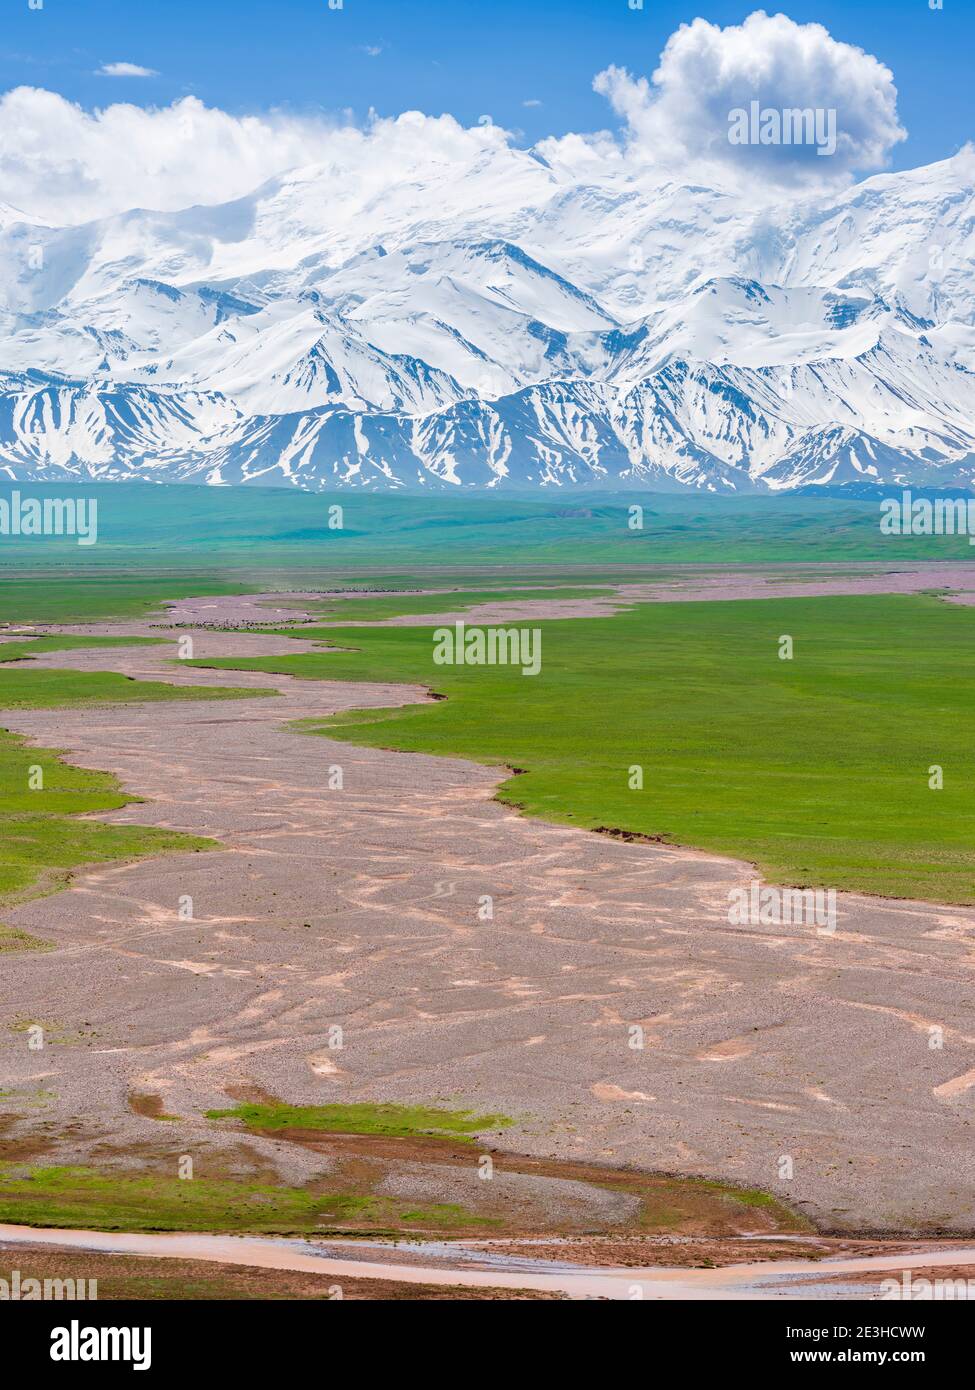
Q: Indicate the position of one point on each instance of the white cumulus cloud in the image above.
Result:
(62, 164)
(706, 73)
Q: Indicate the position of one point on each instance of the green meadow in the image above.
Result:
(816, 769)
(41, 838)
(91, 598)
(288, 536)
(397, 1121)
(26, 648)
(117, 1201)
(24, 685)
(41, 796)
(120, 1200)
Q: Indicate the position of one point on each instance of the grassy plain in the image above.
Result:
(234, 533)
(90, 598)
(41, 796)
(816, 768)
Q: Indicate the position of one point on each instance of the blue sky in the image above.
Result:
(471, 59)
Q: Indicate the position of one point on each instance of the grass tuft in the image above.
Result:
(404, 1121)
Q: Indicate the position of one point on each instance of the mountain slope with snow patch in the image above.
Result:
(496, 322)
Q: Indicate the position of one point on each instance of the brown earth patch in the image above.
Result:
(151, 1106)
(24, 1147)
(630, 837)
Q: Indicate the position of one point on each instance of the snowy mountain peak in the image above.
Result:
(496, 321)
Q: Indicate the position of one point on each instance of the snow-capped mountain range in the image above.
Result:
(501, 322)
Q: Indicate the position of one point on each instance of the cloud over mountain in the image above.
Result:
(412, 303)
(706, 72)
(63, 164)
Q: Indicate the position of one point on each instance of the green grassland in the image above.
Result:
(25, 686)
(401, 1121)
(816, 769)
(15, 649)
(86, 597)
(41, 839)
(229, 532)
(72, 1197)
(52, 689)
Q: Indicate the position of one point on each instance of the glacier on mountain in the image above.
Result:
(500, 323)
